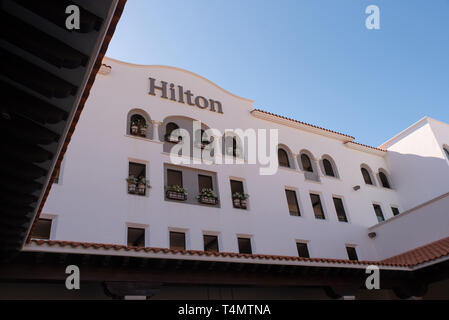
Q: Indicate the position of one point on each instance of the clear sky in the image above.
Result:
(311, 60)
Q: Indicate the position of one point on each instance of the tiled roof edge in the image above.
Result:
(86, 245)
(304, 123)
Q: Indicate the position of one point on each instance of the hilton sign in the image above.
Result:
(168, 91)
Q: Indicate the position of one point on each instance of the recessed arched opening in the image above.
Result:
(328, 169)
(233, 146)
(169, 129)
(328, 166)
(384, 180)
(139, 124)
(308, 165)
(367, 174)
(183, 130)
(285, 157)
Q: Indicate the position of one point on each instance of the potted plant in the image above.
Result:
(143, 129)
(134, 127)
(243, 200)
(239, 200)
(176, 193)
(207, 196)
(236, 199)
(132, 182)
(142, 184)
(173, 139)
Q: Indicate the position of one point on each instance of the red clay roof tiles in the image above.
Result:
(426, 253)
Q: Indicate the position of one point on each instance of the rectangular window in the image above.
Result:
(42, 229)
(204, 182)
(138, 171)
(379, 213)
(245, 245)
(210, 243)
(303, 250)
(395, 211)
(177, 240)
(293, 207)
(136, 237)
(341, 213)
(236, 186)
(174, 177)
(352, 253)
(317, 207)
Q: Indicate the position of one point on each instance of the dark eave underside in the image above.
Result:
(46, 74)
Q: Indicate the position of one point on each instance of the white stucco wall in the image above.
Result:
(412, 229)
(419, 167)
(91, 202)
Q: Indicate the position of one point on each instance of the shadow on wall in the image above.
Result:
(417, 179)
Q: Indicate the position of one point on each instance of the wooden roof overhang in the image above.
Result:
(46, 75)
(140, 270)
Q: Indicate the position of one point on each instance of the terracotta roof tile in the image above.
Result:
(88, 245)
(304, 123)
(367, 146)
(426, 253)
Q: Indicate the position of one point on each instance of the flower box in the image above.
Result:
(141, 189)
(171, 139)
(175, 195)
(143, 131)
(208, 200)
(131, 188)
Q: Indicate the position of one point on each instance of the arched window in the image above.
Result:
(384, 180)
(138, 123)
(328, 168)
(283, 158)
(169, 128)
(366, 176)
(234, 147)
(306, 163)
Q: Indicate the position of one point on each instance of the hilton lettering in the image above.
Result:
(168, 91)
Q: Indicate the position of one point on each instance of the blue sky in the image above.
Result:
(311, 60)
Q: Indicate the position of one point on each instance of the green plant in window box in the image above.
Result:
(132, 182)
(172, 138)
(240, 200)
(142, 184)
(143, 128)
(207, 196)
(176, 192)
(134, 127)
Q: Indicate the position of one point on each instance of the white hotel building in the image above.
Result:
(333, 204)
